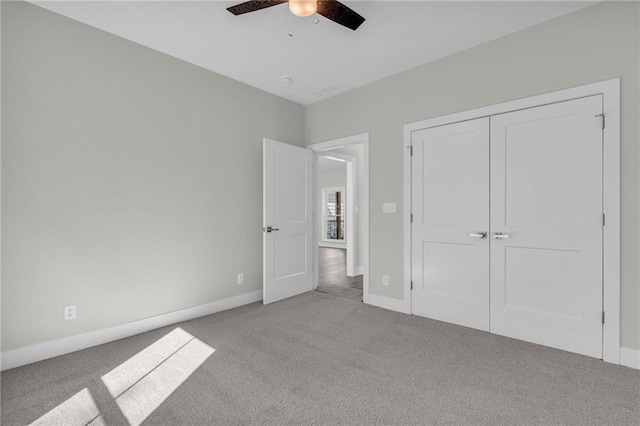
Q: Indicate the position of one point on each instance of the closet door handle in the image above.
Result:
(481, 235)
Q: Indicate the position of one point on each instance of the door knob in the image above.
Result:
(270, 229)
(480, 235)
(500, 236)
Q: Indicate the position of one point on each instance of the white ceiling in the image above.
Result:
(323, 59)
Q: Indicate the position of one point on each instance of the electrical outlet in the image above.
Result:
(70, 312)
(385, 280)
(241, 278)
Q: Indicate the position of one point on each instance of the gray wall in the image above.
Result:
(131, 181)
(593, 44)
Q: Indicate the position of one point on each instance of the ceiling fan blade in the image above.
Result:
(252, 6)
(339, 13)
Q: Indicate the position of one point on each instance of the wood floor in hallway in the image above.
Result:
(332, 276)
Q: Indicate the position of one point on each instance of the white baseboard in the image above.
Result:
(30, 354)
(630, 358)
(356, 272)
(388, 303)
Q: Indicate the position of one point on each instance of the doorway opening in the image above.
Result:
(332, 276)
(341, 210)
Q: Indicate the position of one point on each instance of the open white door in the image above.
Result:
(287, 221)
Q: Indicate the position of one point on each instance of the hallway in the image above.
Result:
(332, 277)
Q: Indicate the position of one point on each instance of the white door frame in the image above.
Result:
(349, 241)
(363, 139)
(610, 89)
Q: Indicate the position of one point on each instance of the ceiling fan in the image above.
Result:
(330, 9)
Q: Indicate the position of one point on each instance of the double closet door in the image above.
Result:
(507, 224)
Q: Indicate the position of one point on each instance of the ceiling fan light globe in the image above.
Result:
(303, 8)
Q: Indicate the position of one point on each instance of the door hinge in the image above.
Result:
(411, 217)
(604, 220)
(604, 120)
(410, 150)
(411, 285)
(603, 317)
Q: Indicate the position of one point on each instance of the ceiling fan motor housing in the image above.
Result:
(330, 9)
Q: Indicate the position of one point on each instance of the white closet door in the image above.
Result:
(546, 200)
(450, 205)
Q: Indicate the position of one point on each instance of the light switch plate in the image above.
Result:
(389, 207)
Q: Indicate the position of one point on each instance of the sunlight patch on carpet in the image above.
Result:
(135, 368)
(142, 399)
(142, 383)
(80, 409)
(139, 385)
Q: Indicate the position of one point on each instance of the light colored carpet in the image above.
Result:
(320, 359)
(342, 290)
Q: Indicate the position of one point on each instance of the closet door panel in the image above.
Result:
(546, 225)
(450, 205)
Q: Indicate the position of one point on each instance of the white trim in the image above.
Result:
(351, 222)
(363, 139)
(316, 206)
(41, 351)
(611, 234)
(359, 271)
(630, 358)
(610, 89)
(406, 250)
(340, 142)
(603, 87)
(389, 303)
(333, 244)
